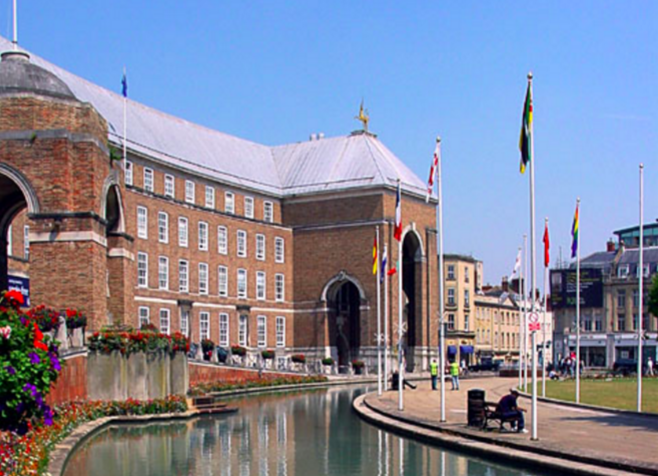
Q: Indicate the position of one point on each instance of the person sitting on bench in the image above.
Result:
(508, 409)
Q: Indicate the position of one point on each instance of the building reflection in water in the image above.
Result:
(298, 434)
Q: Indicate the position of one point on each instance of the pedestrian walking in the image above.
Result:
(434, 372)
(649, 367)
(454, 373)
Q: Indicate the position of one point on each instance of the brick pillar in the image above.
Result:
(121, 280)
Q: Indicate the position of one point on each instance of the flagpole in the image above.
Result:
(525, 312)
(442, 337)
(543, 330)
(400, 310)
(386, 362)
(15, 39)
(578, 304)
(125, 107)
(640, 303)
(533, 270)
(520, 340)
(379, 321)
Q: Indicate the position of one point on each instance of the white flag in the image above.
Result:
(517, 266)
(433, 170)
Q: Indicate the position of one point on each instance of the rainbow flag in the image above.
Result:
(574, 234)
(526, 128)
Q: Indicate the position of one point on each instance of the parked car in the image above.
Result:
(624, 367)
(485, 365)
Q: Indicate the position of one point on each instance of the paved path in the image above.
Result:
(614, 440)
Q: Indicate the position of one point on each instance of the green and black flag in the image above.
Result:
(526, 128)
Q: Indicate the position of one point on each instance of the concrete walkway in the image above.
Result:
(608, 440)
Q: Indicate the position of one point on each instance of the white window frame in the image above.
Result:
(165, 321)
(163, 227)
(242, 243)
(222, 281)
(243, 291)
(261, 285)
(143, 260)
(183, 232)
(222, 240)
(148, 179)
(185, 322)
(268, 212)
(128, 173)
(261, 332)
(203, 236)
(260, 247)
(183, 276)
(279, 287)
(279, 250)
(451, 297)
(169, 186)
(623, 271)
(203, 278)
(142, 222)
(163, 273)
(204, 325)
(210, 197)
(249, 207)
(280, 331)
(229, 203)
(143, 315)
(9, 241)
(451, 272)
(189, 191)
(224, 330)
(26, 241)
(243, 330)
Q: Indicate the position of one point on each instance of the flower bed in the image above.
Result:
(267, 354)
(28, 454)
(298, 358)
(204, 388)
(131, 341)
(75, 319)
(238, 350)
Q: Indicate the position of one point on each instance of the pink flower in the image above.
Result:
(5, 332)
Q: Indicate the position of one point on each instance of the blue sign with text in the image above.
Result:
(22, 285)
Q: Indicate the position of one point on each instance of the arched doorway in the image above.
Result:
(344, 302)
(15, 196)
(412, 256)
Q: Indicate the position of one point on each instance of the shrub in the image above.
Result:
(207, 345)
(358, 364)
(75, 319)
(298, 358)
(327, 361)
(267, 354)
(29, 365)
(238, 350)
(130, 341)
(205, 388)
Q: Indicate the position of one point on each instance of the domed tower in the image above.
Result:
(55, 163)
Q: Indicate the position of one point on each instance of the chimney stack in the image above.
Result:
(610, 246)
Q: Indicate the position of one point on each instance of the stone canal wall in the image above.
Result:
(207, 373)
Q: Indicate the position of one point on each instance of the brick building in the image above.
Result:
(202, 232)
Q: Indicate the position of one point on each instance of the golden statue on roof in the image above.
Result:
(363, 117)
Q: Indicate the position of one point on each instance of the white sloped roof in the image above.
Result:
(331, 164)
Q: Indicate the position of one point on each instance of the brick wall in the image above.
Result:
(72, 382)
(200, 373)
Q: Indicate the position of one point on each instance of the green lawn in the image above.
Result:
(616, 393)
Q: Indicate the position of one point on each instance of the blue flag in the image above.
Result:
(124, 85)
(382, 274)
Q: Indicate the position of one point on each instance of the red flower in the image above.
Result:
(15, 297)
(38, 336)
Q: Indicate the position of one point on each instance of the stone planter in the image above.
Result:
(137, 369)
(179, 375)
(107, 377)
(158, 381)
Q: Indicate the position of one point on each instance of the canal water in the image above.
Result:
(304, 434)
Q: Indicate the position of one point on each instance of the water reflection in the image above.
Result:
(313, 433)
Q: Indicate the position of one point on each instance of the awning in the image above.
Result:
(465, 349)
(452, 350)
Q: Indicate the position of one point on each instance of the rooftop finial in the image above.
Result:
(363, 117)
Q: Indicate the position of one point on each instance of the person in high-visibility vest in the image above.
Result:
(454, 373)
(434, 372)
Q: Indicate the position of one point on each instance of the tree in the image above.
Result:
(653, 296)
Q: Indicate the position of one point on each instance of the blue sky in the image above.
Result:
(274, 72)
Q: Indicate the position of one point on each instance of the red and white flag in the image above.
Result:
(433, 169)
(397, 234)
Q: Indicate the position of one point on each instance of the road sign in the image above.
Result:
(533, 322)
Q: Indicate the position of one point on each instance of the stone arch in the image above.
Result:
(330, 287)
(411, 228)
(112, 204)
(412, 259)
(16, 194)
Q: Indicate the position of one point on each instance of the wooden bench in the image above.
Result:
(490, 414)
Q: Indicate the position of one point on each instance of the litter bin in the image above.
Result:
(395, 381)
(475, 407)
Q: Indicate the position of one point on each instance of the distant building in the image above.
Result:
(630, 237)
(609, 311)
